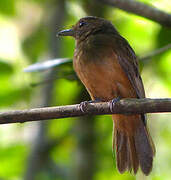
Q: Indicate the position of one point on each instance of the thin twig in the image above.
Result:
(155, 52)
(125, 106)
(141, 9)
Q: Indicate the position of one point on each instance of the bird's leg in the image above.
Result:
(84, 104)
(113, 102)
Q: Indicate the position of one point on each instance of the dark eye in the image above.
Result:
(82, 23)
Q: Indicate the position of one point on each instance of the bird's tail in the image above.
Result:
(133, 144)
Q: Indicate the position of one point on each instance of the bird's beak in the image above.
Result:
(67, 32)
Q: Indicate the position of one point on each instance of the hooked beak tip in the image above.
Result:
(67, 32)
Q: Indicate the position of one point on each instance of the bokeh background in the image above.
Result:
(72, 148)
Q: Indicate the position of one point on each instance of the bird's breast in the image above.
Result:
(101, 73)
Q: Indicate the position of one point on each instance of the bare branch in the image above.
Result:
(141, 9)
(125, 106)
(155, 52)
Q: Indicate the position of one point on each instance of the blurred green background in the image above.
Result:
(72, 148)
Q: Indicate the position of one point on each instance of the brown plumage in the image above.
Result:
(108, 68)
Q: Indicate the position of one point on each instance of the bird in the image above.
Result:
(108, 67)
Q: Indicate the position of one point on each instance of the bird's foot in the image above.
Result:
(113, 102)
(83, 105)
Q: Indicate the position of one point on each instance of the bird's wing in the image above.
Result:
(128, 61)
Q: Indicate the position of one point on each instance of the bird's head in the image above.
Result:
(87, 26)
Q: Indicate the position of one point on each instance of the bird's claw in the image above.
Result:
(113, 102)
(83, 105)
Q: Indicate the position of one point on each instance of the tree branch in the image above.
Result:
(155, 52)
(141, 9)
(125, 106)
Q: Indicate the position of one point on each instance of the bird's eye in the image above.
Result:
(82, 23)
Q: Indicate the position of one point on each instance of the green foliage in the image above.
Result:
(163, 62)
(5, 68)
(8, 7)
(13, 156)
(36, 44)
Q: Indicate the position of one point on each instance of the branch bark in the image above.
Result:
(155, 52)
(124, 106)
(141, 9)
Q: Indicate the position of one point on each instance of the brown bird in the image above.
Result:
(108, 68)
